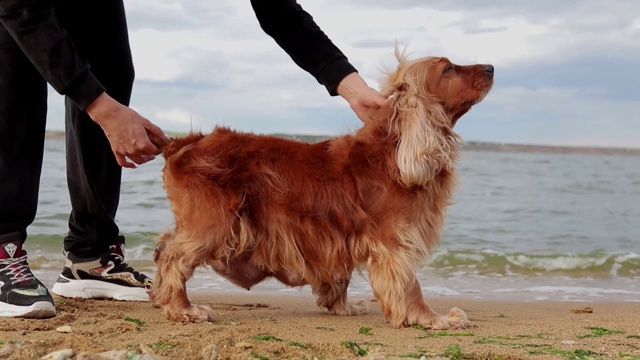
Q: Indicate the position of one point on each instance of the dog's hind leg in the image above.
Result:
(176, 259)
(333, 297)
(400, 297)
(157, 252)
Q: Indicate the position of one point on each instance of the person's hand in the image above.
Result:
(127, 131)
(366, 102)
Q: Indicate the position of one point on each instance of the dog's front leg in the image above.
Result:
(388, 278)
(175, 267)
(400, 297)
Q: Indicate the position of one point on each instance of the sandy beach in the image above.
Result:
(290, 326)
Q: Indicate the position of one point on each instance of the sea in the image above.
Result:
(523, 226)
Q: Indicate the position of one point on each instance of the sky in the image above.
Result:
(567, 72)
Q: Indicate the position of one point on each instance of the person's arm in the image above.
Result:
(36, 29)
(299, 36)
(310, 48)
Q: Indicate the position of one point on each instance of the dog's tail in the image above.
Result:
(170, 146)
(160, 143)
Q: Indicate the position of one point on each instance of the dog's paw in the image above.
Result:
(194, 314)
(457, 319)
(197, 314)
(359, 307)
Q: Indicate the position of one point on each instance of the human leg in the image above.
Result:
(95, 250)
(23, 106)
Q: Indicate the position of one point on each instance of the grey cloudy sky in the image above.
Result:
(565, 70)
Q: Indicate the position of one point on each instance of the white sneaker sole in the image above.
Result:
(96, 289)
(38, 310)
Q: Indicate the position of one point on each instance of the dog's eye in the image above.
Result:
(447, 69)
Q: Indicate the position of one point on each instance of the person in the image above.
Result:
(81, 48)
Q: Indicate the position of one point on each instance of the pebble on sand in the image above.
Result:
(64, 329)
(209, 352)
(244, 345)
(59, 355)
(6, 350)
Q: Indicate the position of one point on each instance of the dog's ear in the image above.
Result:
(426, 143)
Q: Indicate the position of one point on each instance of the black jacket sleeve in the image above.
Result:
(296, 32)
(36, 29)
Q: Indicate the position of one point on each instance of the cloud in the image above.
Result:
(178, 14)
(471, 29)
(539, 31)
(177, 115)
(171, 55)
(373, 43)
(565, 70)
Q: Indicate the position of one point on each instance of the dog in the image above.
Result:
(253, 207)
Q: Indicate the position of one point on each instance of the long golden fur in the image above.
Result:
(253, 207)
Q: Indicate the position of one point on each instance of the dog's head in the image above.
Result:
(429, 96)
(437, 82)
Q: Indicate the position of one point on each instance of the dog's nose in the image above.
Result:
(489, 69)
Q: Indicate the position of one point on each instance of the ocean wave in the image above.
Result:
(594, 264)
(46, 252)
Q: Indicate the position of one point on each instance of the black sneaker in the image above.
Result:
(108, 277)
(21, 294)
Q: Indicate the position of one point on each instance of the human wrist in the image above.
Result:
(333, 73)
(100, 106)
(350, 86)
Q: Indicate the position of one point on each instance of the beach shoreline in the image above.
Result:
(290, 326)
(465, 145)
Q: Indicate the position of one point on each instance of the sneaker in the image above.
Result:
(107, 277)
(21, 294)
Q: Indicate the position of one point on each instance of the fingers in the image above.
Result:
(138, 146)
(374, 111)
(155, 139)
(370, 99)
(386, 103)
(122, 161)
(374, 101)
(131, 136)
(131, 161)
(156, 136)
(385, 108)
(382, 103)
(136, 152)
(155, 130)
(146, 143)
(141, 159)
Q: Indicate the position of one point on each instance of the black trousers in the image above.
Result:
(99, 32)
